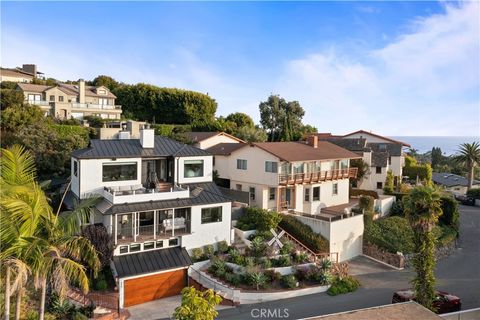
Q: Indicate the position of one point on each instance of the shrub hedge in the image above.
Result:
(362, 192)
(451, 215)
(392, 234)
(259, 219)
(475, 193)
(304, 234)
(343, 285)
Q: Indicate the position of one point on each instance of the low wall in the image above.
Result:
(470, 314)
(393, 259)
(290, 269)
(244, 235)
(440, 253)
(383, 205)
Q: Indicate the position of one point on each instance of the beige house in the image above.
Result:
(380, 153)
(25, 74)
(67, 101)
(205, 140)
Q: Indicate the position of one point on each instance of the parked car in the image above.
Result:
(444, 302)
(466, 200)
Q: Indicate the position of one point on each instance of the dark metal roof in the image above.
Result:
(450, 179)
(225, 148)
(205, 193)
(151, 261)
(352, 144)
(236, 195)
(131, 148)
(394, 149)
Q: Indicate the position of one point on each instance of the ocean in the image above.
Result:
(448, 145)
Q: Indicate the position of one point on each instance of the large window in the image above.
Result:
(241, 164)
(271, 166)
(119, 171)
(193, 168)
(210, 215)
(271, 193)
(316, 193)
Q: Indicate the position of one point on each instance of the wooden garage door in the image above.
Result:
(158, 286)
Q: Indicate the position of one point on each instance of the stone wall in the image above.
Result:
(440, 253)
(393, 259)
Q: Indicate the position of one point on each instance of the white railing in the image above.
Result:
(38, 102)
(142, 195)
(77, 105)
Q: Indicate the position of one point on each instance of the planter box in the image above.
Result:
(291, 269)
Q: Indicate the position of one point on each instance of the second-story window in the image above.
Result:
(378, 170)
(52, 98)
(271, 166)
(193, 168)
(241, 164)
(119, 171)
(335, 189)
(316, 194)
(60, 98)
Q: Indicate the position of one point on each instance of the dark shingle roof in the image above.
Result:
(225, 149)
(450, 179)
(131, 148)
(151, 261)
(379, 159)
(352, 144)
(394, 149)
(205, 193)
(200, 136)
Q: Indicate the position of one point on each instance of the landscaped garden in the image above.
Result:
(270, 260)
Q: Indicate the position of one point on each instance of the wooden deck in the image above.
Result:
(314, 177)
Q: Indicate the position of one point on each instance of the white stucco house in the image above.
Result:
(158, 202)
(380, 153)
(310, 179)
(205, 140)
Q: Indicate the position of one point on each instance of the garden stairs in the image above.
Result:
(239, 244)
(106, 304)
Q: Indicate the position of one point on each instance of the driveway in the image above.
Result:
(458, 274)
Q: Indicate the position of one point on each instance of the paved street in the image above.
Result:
(458, 274)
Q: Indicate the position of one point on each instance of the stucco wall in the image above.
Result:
(212, 141)
(346, 237)
(208, 233)
(222, 166)
(207, 170)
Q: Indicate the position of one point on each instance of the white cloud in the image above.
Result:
(425, 82)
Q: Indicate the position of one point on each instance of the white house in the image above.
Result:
(158, 202)
(380, 153)
(205, 140)
(310, 179)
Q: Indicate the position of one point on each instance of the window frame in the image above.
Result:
(379, 183)
(75, 168)
(271, 166)
(306, 195)
(252, 194)
(316, 198)
(203, 220)
(377, 171)
(118, 164)
(270, 194)
(335, 189)
(242, 164)
(191, 162)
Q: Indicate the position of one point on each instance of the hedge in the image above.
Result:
(362, 192)
(343, 285)
(393, 234)
(70, 130)
(451, 215)
(259, 219)
(305, 234)
(475, 193)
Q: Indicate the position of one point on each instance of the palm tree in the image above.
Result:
(469, 155)
(422, 209)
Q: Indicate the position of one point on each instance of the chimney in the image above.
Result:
(147, 137)
(81, 91)
(30, 68)
(124, 134)
(312, 140)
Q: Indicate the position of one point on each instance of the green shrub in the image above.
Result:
(79, 316)
(233, 279)
(197, 254)
(287, 247)
(361, 192)
(283, 261)
(366, 203)
(259, 219)
(209, 250)
(447, 234)
(236, 257)
(301, 257)
(222, 246)
(325, 265)
(65, 131)
(392, 234)
(343, 285)
(324, 278)
(265, 263)
(101, 285)
(451, 215)
(289, 281)
(388, 188)
(249, 262)
(474, 193)
(397, 209)
(32, 315)
(258, 247)
(304, 234)
(273, 275)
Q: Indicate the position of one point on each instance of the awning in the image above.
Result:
(151, 261)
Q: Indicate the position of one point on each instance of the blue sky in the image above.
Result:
(396, 68)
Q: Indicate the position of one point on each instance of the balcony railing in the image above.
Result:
(313, 177)
(136, 193)
(39, 102)
(150, 232)
(77, 105)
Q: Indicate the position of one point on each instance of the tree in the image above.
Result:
(197, 305)
(251, 134)
(101, 240)
(422, 208)
(11, 98)
(21, 116)
(281, 119)
(241, 120)
(437, 157)
(105, 81)
(388, 188)
(363, 169)
(469, 156)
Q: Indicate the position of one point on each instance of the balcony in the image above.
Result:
(41, 103)
(166, 229)
(82, 106)
(137, 193)
(314, 177)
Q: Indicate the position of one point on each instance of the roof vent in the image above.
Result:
(196, 192)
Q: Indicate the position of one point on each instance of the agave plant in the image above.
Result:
(326, 265)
